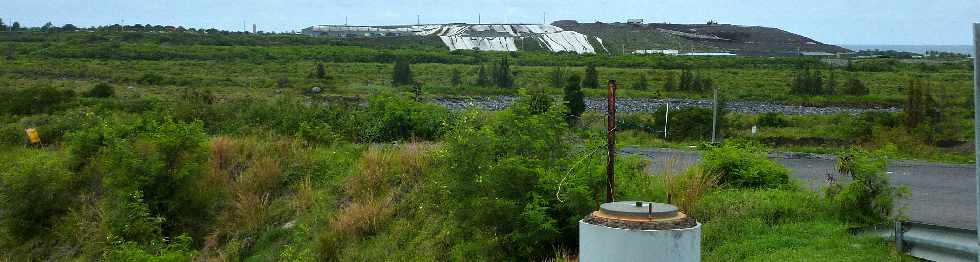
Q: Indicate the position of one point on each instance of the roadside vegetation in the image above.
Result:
(217, 147)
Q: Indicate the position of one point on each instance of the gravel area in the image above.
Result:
(686, 222)
(631, 105)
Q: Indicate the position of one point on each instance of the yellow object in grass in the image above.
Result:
(33, 136)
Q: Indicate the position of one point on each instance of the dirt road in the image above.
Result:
(943, 194)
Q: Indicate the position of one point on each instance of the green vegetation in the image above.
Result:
(212, 148)
(402, 73)
(574, 99)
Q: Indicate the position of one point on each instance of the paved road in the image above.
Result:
(942, 194)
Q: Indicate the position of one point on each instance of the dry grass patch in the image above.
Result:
(692, 187)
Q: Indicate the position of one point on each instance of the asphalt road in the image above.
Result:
(941, 194)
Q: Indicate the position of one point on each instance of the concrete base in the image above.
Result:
(601, 243)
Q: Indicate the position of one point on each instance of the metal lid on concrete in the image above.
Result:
(638, 209)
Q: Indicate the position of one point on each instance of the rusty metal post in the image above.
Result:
(611, 140)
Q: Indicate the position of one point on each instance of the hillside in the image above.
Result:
(609, 38)
(741, 40)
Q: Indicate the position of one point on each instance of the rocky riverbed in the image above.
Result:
(632, 105)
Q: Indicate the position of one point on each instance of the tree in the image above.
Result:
(920, 107)
(808, 82)
(455, 78)
(556, 77)
(69, 28)
(591, 77)
(3, 27)
(641, 84)
(46, 27)
(574, 99)
(320, 72)
(417, 91)
(402, 74)
(502, 76)
(830, 86)
(702, 83)
(855, 87)
(687, 80)
(15, 26)
(669, 85)
(482, 79)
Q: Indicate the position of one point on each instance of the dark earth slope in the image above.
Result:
(741, 40)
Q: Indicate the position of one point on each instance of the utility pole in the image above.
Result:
(976, 115)
(611, 141)
(479, 20)
(714, 118)
(418, 19)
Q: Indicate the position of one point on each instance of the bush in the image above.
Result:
(156, 165)
(19, 101)
(394, 118)
(101, 90)
(773, 120)
(402, 74)
(502, 165)
(869, 198)
(691, 122)
(744, 168)
(34, 191)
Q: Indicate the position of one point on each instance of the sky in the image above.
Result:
(853, 22)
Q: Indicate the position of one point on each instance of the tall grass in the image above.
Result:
(693, 186)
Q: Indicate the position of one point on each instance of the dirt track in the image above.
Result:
(942, 194)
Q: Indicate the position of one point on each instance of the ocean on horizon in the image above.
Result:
(919, 49)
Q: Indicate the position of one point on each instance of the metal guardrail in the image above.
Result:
(932, 242)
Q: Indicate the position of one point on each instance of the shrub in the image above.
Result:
(773, 120)
(504, 166)
(393, 118)
(591, 79)
(402, 74)
(743, 168)
(690, 122)
(574, 99)
(160, 161)
(34, 191)
(101, 90)
(869, 198)
(19, 101)
(502, 76)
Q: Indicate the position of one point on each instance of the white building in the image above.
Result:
(656, 52)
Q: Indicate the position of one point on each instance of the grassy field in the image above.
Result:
(193, 151)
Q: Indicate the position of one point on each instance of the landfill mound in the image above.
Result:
(504, 37)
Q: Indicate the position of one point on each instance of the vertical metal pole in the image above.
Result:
(611, 140)
(899, 240)
(666, 118)
(714, 118)
(976, 115)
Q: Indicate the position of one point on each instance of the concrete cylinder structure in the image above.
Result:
(660, 234)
